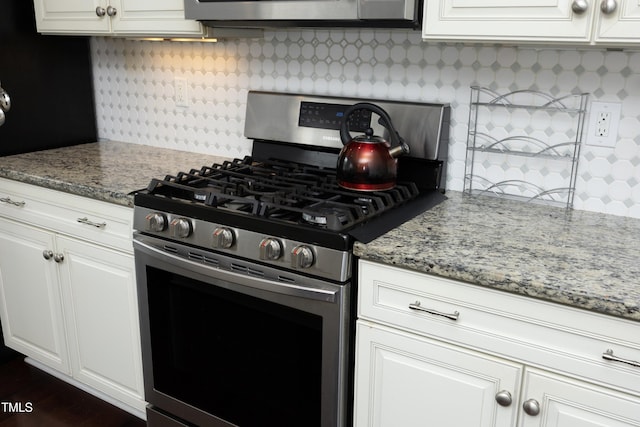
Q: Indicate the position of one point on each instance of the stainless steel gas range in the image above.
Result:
(246, 278)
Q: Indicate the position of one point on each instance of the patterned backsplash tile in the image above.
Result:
(134, 87)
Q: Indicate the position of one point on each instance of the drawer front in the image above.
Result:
(535, 332)
(92, 220)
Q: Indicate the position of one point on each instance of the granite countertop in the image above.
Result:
(579, 258)
(583, 259)
(107, 171)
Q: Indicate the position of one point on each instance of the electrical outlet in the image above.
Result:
(603, 124)
(182, 97)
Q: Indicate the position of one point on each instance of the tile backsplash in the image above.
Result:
(134, 88)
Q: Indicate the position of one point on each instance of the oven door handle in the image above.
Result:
(227, 278)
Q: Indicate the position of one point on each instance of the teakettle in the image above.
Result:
(368, 162)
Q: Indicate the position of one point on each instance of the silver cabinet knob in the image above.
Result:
(270, 249)
(579, 6)
(223, 238)
(180, 228)
(5, 100)
(47, 254)
(156, 222)
(101, 11)
(111, 11)
(504, 398)
(58, 257)
(531, 407)
(301, 257)
(608, 6)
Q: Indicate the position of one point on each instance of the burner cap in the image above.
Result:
(327, 215)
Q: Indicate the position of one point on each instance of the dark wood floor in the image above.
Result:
(54, 403)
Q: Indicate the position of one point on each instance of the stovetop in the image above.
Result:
(287, 199)
(288, 192)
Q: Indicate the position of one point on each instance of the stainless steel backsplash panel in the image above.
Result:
(274, 117)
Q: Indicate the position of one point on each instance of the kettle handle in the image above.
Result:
(385, 120)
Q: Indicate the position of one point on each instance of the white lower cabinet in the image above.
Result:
(435, 352)
(101, 315)
(67, 289)
(411, 381)
(30, 296)
(567, 402)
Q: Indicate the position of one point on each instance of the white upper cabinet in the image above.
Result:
(161, 18)
(533, 21)
(622, 26)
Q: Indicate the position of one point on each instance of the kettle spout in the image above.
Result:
(399, 150)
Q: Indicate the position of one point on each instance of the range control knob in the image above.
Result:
(156, 222)
(223, 238)
(180, 228)
(270, 249)
(301, 257)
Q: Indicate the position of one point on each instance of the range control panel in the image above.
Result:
(329, 116)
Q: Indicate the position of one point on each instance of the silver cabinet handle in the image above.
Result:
(58, 257)
(608, 6)
(504, 398)
(531, 407)
(11, 202)
(86, 221)
(101, 11)
(608, 355)
(111, 11)
(416, 306)
(579, 6)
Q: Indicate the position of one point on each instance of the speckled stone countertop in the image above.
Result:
(107, 171)
(579, 258)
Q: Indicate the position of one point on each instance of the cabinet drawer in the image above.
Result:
(539, 333)
(92, 220)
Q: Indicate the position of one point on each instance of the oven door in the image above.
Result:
(227, 342)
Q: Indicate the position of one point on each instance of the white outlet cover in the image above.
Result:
(592, 137)
(181, 91)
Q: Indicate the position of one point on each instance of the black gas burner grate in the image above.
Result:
(280, 191)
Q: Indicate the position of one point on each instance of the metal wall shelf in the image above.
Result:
(524, 145)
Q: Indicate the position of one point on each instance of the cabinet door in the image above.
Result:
(153, 17)
(620, 26)
(409, 381)
(30, 300)
(565, 402)
(513, 20)
(71, 16)
(102, 319)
